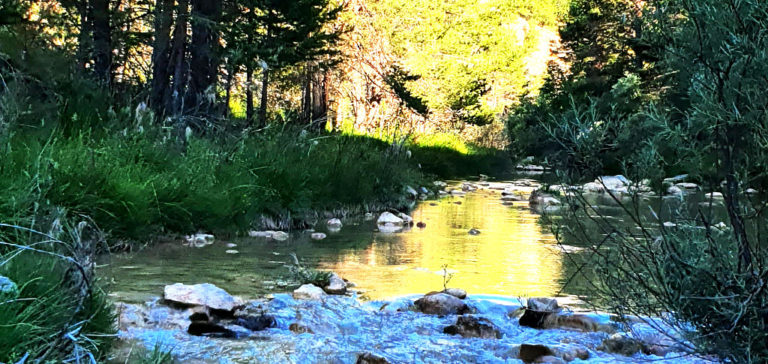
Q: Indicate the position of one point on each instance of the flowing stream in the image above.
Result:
(513, 256)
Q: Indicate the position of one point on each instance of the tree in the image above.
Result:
(293, 32)
(161, 56)
(204, 55)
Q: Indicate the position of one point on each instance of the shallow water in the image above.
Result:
(514, 255)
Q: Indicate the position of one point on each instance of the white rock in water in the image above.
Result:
(334, 223)
(688, 186)
(336, 285)
(260, 234)
(613, 182)
(714, 195)
(669, 224)
(205, 294)
(411, 192)
(390, 229)
(309, 292)
(199, 240)
(675, 191)
(388, 218)
(456, 292)
(541, 304)
(280, 235)
(318, 236)
(232, 251)
(231, 245)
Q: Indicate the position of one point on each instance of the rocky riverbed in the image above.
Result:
(440, 327)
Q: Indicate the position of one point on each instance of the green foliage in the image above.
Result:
(471, 56)
(398, 80)
(49, 318)
(158, 355)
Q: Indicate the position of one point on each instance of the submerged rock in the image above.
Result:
(309, 292)
(205, 294)
(421, 225)
(441, 304)
(298, 328)
(336, 285)
(621, 344)
(280, 235)
(474, 232)
(256, 323)
(471, 326)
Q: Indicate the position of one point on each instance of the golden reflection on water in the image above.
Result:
(514, 255)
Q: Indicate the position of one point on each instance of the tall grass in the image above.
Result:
(139, 184)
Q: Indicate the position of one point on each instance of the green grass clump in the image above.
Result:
(48, 318)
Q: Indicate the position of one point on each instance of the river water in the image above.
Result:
(514, 255)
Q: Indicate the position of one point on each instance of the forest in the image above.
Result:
(634, 131)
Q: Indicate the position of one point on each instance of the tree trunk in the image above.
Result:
(161, 56)
(178, 65)
(306, 97)
(204, 62)
(263, 105)
(249, 94)
(319, 100)
(102, 41)
(84, 38)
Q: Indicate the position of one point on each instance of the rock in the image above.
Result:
(280, 235)
(232, 251)
(687, 186)
(388, 218)
(675, 191)
(620, 344)
(318, 236)
(421, 225)
(714, 195)
(549, 359)
(439, 184)
(471, 326)
(530, 168)
(532, 353)
(669, 224)
(676, 179)
(369, 358)
(412, 193)
(573, 354)
(256, 323)
(538, 312)
(199, 240)
(298, 328)
(474, 232)
(593, 187)
(751, 191)
(407, 220)
(260, 234)
(336, 285)
(204, 294)
(309, 292)
(614, 183)
(200, 328)
(8, 289)
(231, 245)
(334, 224)
(541, 199)
(456, 292)
(424, 190)
(542, 304)
(441, 304)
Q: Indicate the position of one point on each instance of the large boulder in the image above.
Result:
(336, 285)
(441, 304)
(471, 326)
(205, 294)
(309, 292)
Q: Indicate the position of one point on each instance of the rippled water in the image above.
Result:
(514, 255)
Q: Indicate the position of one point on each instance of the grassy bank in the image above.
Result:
(137, 185)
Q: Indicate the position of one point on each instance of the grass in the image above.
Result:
(135, 186)
(48, 318)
